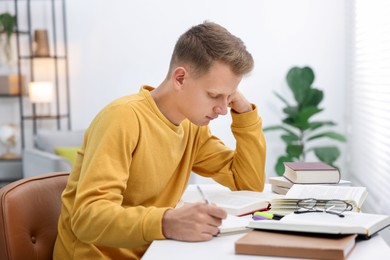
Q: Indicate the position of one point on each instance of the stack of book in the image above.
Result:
(318, 234)
(314, 236)
(306, 173)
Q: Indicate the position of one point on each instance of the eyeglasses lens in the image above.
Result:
(307, 203)
(336, 206)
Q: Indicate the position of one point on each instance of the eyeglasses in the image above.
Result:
(336, 207)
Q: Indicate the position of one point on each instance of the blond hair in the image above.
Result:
(208, 42)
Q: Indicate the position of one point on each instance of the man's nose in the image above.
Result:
(221, 108)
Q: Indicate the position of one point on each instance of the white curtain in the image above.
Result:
(368, 100)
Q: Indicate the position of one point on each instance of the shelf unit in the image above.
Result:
(26, 63)
(26, 66)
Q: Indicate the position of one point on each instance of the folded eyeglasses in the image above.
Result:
(336, 207)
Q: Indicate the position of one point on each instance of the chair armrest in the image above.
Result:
(37, 162)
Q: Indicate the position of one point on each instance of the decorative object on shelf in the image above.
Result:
(298, 129)
(9, 84)
(7, 26)
(41, 43)
(8, 139)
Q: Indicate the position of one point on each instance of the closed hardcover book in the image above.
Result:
(280, 181)
(363, 224)
(311, 172)
(279, 190)
(266, 243)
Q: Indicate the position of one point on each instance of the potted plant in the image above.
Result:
(299, 130)
(7, 26)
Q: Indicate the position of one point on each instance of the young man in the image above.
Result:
(138, 153)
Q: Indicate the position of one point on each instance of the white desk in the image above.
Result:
(223, 247)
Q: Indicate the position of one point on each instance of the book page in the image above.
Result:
(232, 201)
(325, 219)
(327, 192)
(241, 198)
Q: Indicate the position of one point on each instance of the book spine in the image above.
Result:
(314, 253)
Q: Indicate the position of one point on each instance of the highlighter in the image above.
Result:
(256, 217)
(268, 215)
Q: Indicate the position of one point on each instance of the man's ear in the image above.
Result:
(178, 76)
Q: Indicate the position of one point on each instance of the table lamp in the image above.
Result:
(40, 92)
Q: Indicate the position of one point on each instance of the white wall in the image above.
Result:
(116, 46)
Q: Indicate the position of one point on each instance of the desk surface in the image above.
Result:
(223, 247)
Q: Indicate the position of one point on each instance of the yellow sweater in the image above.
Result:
(134, 164)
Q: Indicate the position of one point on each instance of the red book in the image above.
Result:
(311, 173)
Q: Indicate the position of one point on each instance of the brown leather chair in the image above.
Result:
(29, 211)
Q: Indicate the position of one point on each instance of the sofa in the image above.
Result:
(50, 150)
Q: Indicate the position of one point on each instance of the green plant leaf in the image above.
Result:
(278, 127)
(7, 23)
(327, 154)
(294, 151)
(294, 123)
(329, 134)
(299, 80)
(301, 120)
(313, 98)
(290, 138)
(291, 112)
(306, 113)
(317, 124)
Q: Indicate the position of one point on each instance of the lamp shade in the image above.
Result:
(40, 92)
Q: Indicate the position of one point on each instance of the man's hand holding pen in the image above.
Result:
(193, 222)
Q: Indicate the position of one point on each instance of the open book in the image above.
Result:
(243, 202)
(353, 195)
(234, 202)
(363, 224)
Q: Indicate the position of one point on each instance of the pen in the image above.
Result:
(206, 200)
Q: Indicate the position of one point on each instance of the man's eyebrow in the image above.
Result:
(216, 92)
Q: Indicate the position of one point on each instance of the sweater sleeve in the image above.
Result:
(98, 216)
(239, 169)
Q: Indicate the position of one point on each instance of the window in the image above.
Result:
(369, 101)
